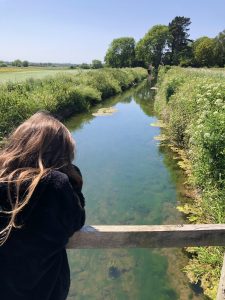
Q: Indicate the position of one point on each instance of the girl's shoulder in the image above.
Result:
(60, 177)
(56, 179)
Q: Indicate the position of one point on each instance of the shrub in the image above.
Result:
(192, 104)
(61, 94)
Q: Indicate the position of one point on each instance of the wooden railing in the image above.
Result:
(152, 236)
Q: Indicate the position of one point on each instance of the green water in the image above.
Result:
(128, 179)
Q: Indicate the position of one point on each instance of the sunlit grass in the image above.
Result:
(17, 74)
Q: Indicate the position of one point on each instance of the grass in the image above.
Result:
(191, 103)
(16, 74)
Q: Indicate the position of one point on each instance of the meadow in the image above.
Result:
(63, 94)
(17, 74)
(191, 104)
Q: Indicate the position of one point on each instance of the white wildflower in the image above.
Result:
(206, 135)
(219, 102)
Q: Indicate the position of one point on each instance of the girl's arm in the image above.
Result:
(73, 213)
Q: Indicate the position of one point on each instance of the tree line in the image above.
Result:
(15, 63)
(161, 45)
(96, 64)
(167, 45)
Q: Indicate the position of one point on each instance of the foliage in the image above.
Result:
(96, 64)
(220, 49)
(167, 45)
(204, 51)
(84, 66)
(151, 47)
(103, 81)
(192, 104)
(25, 63)
(63, 94)
(179, 45)
(206, 266)
(17, 63)
(121, 53)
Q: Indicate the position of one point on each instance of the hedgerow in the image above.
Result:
(192, 105)
(62, 93)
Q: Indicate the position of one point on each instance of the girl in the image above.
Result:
(41, 206)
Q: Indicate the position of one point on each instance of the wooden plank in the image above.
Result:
(221, 288)
(148, 236)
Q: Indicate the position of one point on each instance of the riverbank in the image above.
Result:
(62, 94)
(191, 104)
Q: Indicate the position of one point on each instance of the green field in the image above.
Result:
(21, 74)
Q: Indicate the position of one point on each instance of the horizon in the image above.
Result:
(75, 32)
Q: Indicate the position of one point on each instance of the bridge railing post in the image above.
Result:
(221, 287)
(152, 236)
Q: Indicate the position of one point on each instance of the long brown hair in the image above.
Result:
(37, 146)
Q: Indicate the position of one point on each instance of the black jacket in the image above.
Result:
(33, 260)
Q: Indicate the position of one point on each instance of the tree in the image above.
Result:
(153, 46)
(97, 64)
(17, 63)
(204, 51)
(84, 66)
(180, 42)
(220, 49)
(25, 63)
(121, 53)
(3, 64)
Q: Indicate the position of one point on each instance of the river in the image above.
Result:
(129, 178)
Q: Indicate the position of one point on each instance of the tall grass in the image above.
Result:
(192, 104)
(63, 94)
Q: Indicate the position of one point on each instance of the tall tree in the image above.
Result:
(152, 47)
(25, 63)
(204, 51)
(220, 49)
(180, 41)
(17, 63)
(121, 53)
(84, 66)
(96, 64)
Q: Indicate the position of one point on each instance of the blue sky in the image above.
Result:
(78, 31)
